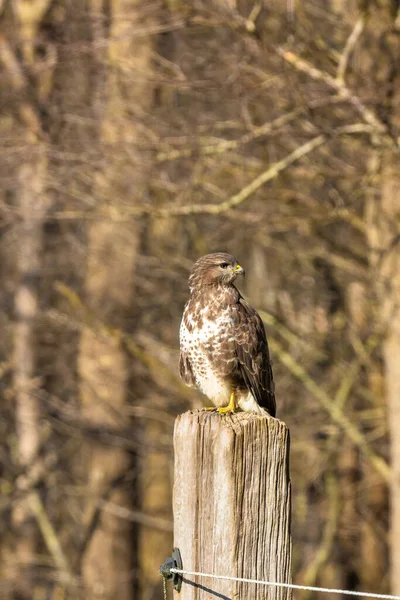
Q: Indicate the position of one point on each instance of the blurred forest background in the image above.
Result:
(134, 137)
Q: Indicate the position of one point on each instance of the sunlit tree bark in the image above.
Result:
(32, 205)
(384, 215)
(112, 251)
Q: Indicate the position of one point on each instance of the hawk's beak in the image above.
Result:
(239, 270)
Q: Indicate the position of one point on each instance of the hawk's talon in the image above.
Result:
(210, 408)
(231, 408)
(225, 409)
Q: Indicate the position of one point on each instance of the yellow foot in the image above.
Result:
(211, 408)
(231, 408)
(225, 409)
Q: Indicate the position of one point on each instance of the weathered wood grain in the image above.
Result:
(232, 504)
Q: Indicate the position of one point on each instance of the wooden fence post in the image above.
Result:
(232, 504)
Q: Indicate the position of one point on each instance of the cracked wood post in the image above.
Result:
(232, 504)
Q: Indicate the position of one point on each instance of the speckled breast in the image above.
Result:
(207, 337)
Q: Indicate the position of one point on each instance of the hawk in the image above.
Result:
(224, 349)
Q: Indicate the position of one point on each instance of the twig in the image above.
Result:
(290, 336)
(354, 369)
(333, 409)
(253, 16)
(221, 146)
(49, 535)
(89, 319)
(18, 80)
(339, 86)
(272, 172)
(11, 65)
(135, 516)
(349, 48)
(224, 145)
(329, 533)
(216, 209)
(94, 517)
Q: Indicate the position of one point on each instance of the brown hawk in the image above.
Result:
(224, 349)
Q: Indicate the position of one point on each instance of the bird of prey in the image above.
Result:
(224, 349)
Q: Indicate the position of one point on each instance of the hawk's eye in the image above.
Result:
(224, 265)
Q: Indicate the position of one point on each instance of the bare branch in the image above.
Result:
(31, 11)
(221, 146)
(305, 67)
(90, 320)
(354, 369)
(29, 14)
(333, 409)
(49, 535)
(328, 536)
(114, 214)
(19, 83)
(135, 516)
(11, 64)
(272, 172)
(291, 337)
(253, 16)
(252, 187)
(224, 145)
(349, 48)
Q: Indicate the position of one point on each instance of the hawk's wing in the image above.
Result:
(253, 355)
(186, 370)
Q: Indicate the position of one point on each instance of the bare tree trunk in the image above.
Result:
(391, 352)
(112, 249)
(373, 547)
(156, 467)
(349, 531)
(155, 482)
(104, 375)
(385, 258)
(32, 204)
(364, 492)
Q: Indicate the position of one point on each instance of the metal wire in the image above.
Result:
(288, 585)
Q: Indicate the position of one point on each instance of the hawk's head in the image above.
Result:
(213, 269)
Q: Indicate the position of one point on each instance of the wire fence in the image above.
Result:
(286, 585)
